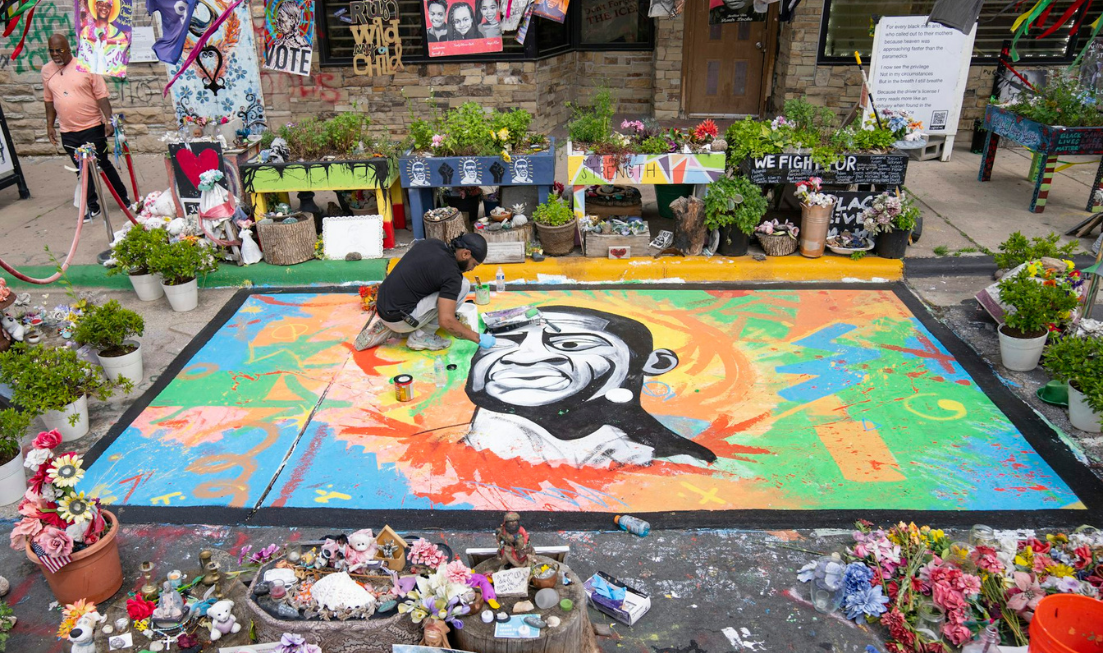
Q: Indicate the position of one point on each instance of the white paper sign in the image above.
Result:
(512, 582)
(921, 68)
(362, 234)
(141, 44)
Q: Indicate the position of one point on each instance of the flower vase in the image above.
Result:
(13, 482)
(815, 221)
(94, 574)
(59, 420)
(733, 242)
(147, 286)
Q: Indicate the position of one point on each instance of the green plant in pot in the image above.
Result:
(13, 426)
(179, 263)
(108, 329)
(734, 206)
(1079, 362)
(556, 224)
(1037, 305)
(132, 253)
(55, 383)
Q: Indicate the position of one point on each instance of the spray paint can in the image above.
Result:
(403, 387)
(633, 525)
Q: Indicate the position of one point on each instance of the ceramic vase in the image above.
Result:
(1081, 414)
(94, 574)
(147, 286)
(182, 297)
(128, 365)
(1021, 354)
(13, 483)
(59, 419)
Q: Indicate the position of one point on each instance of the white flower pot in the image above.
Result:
(59, 419)
(183, 297)
(13, 483)
(128, 365)
(1081, 414)
(148, 286)
(1021, 354)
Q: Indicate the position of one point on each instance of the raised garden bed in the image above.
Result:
(420, 174)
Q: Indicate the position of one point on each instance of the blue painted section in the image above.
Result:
(831, 370)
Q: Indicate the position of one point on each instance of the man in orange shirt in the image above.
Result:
(79, 102)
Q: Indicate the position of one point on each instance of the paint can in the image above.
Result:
(404, 387)
(482, 294)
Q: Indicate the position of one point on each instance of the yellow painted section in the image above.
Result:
(696, 269)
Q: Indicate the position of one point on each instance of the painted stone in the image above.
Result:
(523, 606)
(535, 621)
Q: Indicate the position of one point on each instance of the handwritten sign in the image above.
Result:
(880, 169)
(378, 49)
(512, 582)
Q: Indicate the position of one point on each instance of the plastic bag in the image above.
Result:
(250, 252)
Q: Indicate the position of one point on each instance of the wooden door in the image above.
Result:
(722, 65)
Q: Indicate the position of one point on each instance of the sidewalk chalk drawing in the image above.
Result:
(289, 36)
(103, 36)
(622, 401)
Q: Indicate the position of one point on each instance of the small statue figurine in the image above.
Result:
(361, 550)
(435, 634)
(223, 621)
(513, 542)
(170, 607)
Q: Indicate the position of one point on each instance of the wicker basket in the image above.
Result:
(777, 244)
(288, 243)
(557, 241)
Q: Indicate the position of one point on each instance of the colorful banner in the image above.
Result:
(289, 36)
(551, 9)
(225, 78)
(455, 27)
(734, 11)
(175, 17)
(103, 36)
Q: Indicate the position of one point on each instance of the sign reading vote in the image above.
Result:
(289, 36)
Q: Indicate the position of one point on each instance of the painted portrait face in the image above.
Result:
(470, 170)
(417, 171)
(462, 19)
(436, 15)
(103, 9)
(522, 169)
(489, 10)
(537, 365)
(287, 17)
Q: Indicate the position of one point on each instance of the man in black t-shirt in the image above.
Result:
(421, 294)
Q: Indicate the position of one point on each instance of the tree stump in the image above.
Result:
(574, 634)
(446, 229)
(690, 234)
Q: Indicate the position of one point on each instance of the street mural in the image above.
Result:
(618, 401)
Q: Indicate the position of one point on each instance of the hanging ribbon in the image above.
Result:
(1064, 19)
(1023, 22)
(200, 43)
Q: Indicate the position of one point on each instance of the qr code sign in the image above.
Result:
(938, 119)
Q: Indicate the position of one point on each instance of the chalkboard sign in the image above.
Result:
(880, 169)
(1079, 141)
(848, 212)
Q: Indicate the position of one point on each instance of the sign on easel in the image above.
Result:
(11, 173)
(922, 69)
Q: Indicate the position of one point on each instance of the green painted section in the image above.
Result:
(353, 175)
(323, 273)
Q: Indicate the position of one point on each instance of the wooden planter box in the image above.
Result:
(586, 169)
(1047, 142)
(260, 178)
(420, 174)
(597, 245)
(879, 169)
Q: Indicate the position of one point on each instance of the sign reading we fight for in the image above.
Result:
(378, 50)
(289, 36)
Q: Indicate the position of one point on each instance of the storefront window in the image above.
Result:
(848, 26)
(605, 22)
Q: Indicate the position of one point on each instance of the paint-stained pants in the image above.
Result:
(426, 313)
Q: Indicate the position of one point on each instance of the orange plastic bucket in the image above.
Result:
(1067, 623)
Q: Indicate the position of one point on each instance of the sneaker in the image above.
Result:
(420, 341)
(91, 215)
(373, 334)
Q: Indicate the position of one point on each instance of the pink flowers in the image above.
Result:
(424, 552)
(437, 140)
(47, 440)
(24, 530)
(1025, 595)
(54, 542)
(634, 125)
(457, 572)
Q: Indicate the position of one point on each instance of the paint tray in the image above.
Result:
(511, 318)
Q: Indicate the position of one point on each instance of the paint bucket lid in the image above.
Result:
(403, 379)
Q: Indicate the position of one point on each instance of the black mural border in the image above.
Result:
(1044, 439)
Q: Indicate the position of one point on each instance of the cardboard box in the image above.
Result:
(636, 602)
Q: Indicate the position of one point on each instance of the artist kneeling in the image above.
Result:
(421, 293)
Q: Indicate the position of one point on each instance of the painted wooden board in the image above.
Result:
(446, 171)
(588, 169)
(597, 245)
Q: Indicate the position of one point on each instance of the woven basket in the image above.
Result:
(777, 245)
(557, 241)
(288, 244)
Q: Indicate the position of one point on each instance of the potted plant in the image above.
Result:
(109, 329)
(131, 254)
(1079, 362)
(55, 383)
(13, 425)
(777, 238)
(891, 216)
(556, 226)
(816, 208)
(179, 263)
(1038, 304)
(67, 533)
(734, 206)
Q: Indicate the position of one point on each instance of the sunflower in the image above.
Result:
(66, 471)
(75, 508)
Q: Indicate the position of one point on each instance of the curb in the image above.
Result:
(942, 266)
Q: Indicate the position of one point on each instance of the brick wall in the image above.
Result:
(667, 82)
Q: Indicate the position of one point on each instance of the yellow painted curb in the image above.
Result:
(696, 269)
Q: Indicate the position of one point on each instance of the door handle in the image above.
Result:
(759, 46)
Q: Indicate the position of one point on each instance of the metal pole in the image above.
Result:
(106, 254)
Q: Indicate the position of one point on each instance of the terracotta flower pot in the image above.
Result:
(94, 574)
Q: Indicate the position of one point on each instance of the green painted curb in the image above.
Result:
(228, 276)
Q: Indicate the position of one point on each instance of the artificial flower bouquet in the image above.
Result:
(903, 125)
(934, 593)
(890, 211)
(810, 193)
(776, 228)
(57, 519)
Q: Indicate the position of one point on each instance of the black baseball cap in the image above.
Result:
(473, 242)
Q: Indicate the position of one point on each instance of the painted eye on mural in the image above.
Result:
(575, 342)
(180, 8)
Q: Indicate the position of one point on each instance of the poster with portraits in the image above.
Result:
(289, 36)
(103, 36)
(459, 27)
(551, 9)
(736, 11)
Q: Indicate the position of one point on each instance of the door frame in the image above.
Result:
(773, 27)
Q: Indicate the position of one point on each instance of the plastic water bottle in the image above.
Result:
(633, 525)
(440, 373)
(987, 641)
(500, 280)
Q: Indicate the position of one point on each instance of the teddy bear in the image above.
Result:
(361, 550)
(223, 621)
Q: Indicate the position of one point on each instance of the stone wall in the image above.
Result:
(667, 82)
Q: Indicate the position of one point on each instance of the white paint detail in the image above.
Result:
(741, 640)
(619, 395)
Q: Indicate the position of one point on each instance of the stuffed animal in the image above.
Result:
(361, 550)
(83, 635)
(333, 553)
(223, 621)
(14, 329)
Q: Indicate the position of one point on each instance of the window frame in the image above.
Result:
(530, 52)
(1071, 50)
